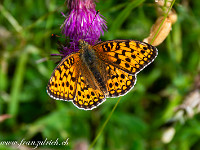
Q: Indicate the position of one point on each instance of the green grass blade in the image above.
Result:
(17, 84)
(124, 14)
(10, 18)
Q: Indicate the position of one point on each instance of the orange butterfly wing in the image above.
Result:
(128, 55)
(63, 82)
(125, 58)
(119, 82)
(87, 97)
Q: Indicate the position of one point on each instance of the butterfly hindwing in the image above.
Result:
(87, 97)
(129, 55)
(63, 81)
(119, 82)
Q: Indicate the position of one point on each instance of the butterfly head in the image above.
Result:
(82, 44)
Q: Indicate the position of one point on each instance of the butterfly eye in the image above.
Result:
(80, 42)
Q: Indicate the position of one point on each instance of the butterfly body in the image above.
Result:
(107, 69)
(93, 65)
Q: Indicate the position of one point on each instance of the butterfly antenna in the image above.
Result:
(55, 37)
(92, 23)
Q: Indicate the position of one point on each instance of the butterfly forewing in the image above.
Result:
(63, 81)
(129, 55)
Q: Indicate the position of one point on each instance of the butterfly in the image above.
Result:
(107, 69)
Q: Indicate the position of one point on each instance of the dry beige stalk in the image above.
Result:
(172, 16)
(167, 25)
(162, 34)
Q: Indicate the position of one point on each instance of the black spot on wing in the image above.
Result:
(111, 45)
(116, 55)
(124, 52)
(117, 46)
(127, 44)
(118, 61)
(107, 47)
(128, 59)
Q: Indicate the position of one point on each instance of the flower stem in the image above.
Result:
(105, 123)
(163, 21)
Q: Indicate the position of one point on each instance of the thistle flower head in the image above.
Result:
(82, 22)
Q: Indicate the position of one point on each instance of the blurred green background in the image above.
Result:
(142, 116)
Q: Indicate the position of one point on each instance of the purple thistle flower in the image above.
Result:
(82, 22)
